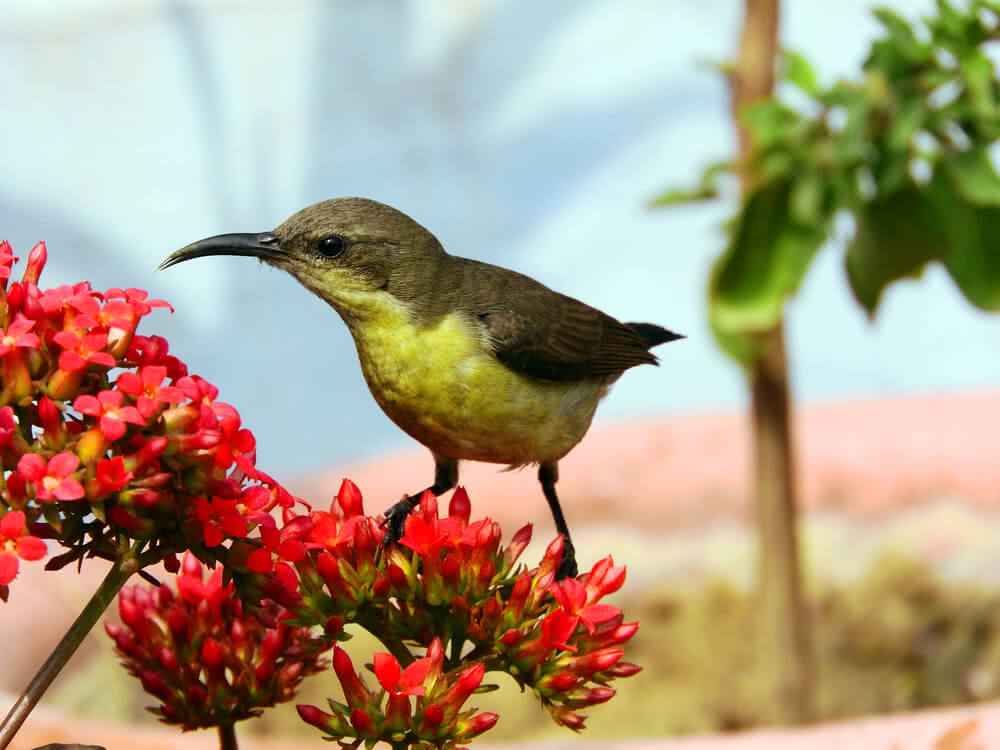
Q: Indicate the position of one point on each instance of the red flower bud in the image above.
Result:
(36, 262)
(212, 653)
(355, 692)
(312, 715)
(623, 669)
(362, 722)
(511, 638)
(596, 661)
(349, 499)
(476, 725)
(433, 716)
(396, 575)
(459, 507)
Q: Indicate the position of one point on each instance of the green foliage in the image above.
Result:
(903, 150)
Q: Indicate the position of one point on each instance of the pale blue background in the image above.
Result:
(525, 133)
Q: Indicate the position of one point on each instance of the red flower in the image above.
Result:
(7, 259)
(557, 628)
(79, 351)
(401, 681)
(15, 542)
(137, 299)
(52, 480)
(146, 387)
(8, 425)
(192, 588)
(198, 389)
(111, 474)
(153, 350)
(18, 334)
(603, 579)
(572, 596)
(422, 537)
(219, 519)
(280, 548)
(108, 406)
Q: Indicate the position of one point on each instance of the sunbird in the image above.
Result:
(474, 361)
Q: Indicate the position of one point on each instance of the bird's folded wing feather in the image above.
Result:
(554, 337)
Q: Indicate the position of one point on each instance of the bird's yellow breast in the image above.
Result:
(442, 384)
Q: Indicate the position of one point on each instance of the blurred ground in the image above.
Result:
(915, 479)
(975, 728)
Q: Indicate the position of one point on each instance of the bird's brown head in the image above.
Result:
(337, 249)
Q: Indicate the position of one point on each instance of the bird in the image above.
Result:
(474, 361)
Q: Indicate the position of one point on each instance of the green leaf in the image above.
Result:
(973, 237)
(769, 120)
(805, 201)
(677, 196)
(899, 28)
(767, 257)
(972, 174)
(974, 262)
(706, 189)
(949, 24)
(797, 71)
(977, 72)
(908, 120)
(895, 238)
(743, 347)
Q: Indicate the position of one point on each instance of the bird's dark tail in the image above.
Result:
(654, 335)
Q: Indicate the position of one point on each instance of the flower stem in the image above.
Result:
(105, 594)
(227, 736)
(398, 649)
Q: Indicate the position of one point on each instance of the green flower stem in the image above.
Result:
(120, 572)
(227, 737)
(396, 647)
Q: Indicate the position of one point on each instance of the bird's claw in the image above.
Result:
(567, 567)
(395, 521)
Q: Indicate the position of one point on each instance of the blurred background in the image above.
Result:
(531, 135)
(524, 134)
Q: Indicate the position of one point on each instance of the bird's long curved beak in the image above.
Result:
(263, 245)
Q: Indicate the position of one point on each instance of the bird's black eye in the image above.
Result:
(331, 247)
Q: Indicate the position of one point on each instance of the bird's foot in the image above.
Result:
(395, 519)
(567, 568)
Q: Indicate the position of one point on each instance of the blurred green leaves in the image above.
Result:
(904, 151)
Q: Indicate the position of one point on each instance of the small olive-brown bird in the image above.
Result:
(474, 361)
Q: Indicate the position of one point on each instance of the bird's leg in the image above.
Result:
(548, 475)
(445, 477)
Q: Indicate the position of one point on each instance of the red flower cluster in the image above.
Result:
(449, 577)
(90, 457)
(110, 448)
(389, 715)
(206, 661)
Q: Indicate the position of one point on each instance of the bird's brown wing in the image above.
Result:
(548, 335)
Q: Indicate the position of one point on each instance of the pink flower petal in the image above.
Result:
(63, 464)
(8, 567)
(112, 427)
(30, 548)
(12, 524)
(69, 489)
(32, 466)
